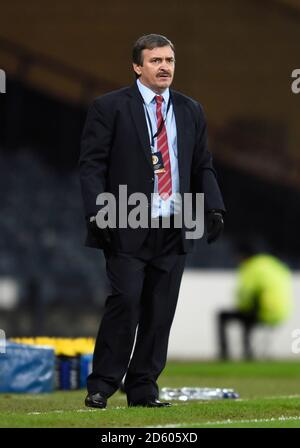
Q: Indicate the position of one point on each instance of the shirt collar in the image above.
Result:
(148, 94)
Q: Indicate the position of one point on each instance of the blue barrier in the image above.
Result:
(27, 368)
(85, 368)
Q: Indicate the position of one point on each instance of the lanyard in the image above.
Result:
(161, 123)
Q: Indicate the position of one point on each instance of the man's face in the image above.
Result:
(158, 68)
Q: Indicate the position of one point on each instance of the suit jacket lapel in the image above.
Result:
(178, 107)
(138, 115)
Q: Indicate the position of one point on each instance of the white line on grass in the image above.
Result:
(274, 397)
(62, 411)
(228, 422)
(279, 397)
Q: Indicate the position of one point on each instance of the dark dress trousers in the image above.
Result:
(144, 266)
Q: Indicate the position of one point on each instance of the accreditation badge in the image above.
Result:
(158, 164)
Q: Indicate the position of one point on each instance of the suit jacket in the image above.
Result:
(115, 150)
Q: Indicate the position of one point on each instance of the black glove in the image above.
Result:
(215, 225)
(103, 235)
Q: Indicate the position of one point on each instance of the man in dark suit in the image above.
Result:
(152, 140)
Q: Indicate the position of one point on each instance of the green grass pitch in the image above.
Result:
(269, 397)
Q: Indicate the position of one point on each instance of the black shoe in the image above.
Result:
(96, 400)
(150, 403)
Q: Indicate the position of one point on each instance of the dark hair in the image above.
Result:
(148, 42)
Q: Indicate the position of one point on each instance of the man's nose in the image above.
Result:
(164, 65)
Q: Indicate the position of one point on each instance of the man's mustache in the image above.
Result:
(163, 73)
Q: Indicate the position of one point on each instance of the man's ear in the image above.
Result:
(137, 69)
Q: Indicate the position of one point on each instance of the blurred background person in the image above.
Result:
(263, 296)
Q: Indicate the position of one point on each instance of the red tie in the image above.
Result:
(164, 179)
